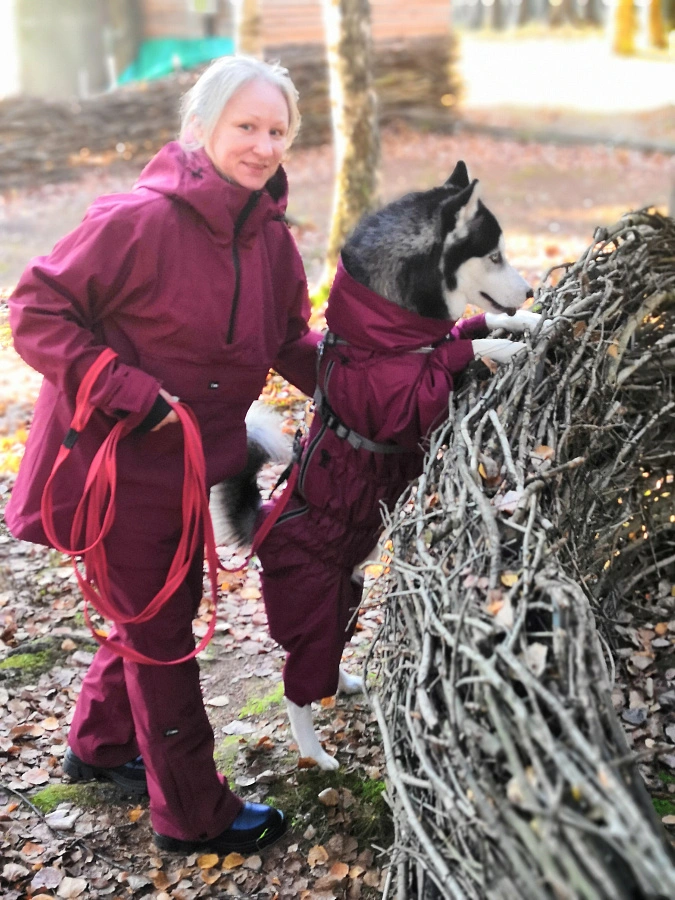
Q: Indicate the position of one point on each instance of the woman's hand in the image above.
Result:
(171, 418)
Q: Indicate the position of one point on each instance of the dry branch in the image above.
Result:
(544, 510)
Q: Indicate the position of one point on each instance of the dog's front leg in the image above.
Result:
(500, 350)
(306, 738)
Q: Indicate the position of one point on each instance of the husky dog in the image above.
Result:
(386, 369)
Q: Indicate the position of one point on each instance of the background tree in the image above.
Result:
(656, 27)
(248, 28)
(623, 26)
(355, 129)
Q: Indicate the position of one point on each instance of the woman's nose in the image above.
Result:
(263, 145)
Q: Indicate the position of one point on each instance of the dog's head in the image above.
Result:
(435, 252)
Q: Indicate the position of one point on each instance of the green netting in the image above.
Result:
(161, 56)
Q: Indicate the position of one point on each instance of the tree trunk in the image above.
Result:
(623, 23)
(355, 130)
(248, 28)
(656, 29)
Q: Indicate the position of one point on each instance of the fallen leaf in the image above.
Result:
(51, 723)
(220, 700)
(668, 820)
(661, 628)
(71, 888)
(36, 776)
(542, 452)
(63, 819)
(508, 579)
(328, 703)
(339, 871)
(232, 861)
(13, 872)
(47, 877)
(210, 876)
(31, 849)
(329, 797)
(306, 762)
(134, 814)
(317, 856)
(207, 861)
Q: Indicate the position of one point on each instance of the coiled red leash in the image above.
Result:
(96, 511)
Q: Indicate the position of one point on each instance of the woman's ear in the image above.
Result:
(195, 131)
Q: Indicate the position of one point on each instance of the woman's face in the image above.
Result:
(250, 136)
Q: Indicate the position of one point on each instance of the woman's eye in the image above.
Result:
(245, 126)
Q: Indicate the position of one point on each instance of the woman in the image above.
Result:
(194, 280)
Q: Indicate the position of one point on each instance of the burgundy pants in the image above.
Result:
(126, 708)
(312, 600)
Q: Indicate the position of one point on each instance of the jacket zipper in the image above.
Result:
(238, 225)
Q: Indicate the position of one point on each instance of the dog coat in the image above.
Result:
(385, 374)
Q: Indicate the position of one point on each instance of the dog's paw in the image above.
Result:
(499, 350)
(325, 761)
(522, 320)
(349, 684)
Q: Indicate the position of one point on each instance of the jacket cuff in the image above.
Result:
(160, 410)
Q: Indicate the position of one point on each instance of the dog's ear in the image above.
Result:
(459, 177)
(457, 211)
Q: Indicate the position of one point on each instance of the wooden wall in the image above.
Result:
(299, 21)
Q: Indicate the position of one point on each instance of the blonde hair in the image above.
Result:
(207, 98)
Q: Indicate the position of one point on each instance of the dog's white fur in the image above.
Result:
(263, 427)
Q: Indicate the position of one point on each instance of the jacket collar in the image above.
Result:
(191, 178)
(369, 321)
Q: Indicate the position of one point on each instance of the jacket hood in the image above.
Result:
(190, 177)
(369, 321)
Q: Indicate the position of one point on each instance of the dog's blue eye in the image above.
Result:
(496, 258)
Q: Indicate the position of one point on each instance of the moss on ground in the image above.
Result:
(24, 667)
(367, 818)
(664, 807)
(256, 706)
(88, 795)
(226, 754)
(666, 777)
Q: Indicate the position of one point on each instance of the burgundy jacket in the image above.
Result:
(199, 287)
(388, 378)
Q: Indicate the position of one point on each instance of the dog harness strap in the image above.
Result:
(356, 440)
(330, 339)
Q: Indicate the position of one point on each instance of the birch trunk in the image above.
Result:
(248, 28)
(355, 128)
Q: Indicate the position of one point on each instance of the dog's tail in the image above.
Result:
(235, 503)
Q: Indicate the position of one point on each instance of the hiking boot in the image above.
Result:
(130, 776)
(255, 827)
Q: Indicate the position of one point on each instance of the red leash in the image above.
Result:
(94, 517)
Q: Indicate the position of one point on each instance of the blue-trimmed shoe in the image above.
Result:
(255, 827)
(130, 776)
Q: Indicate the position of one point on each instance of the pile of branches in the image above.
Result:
(43, 140)
(543, 512)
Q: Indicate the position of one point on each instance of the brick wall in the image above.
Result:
(299, 21)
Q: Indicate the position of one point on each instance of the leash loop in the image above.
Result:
(95, 513)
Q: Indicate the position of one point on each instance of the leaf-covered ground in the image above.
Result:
(73, 841)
